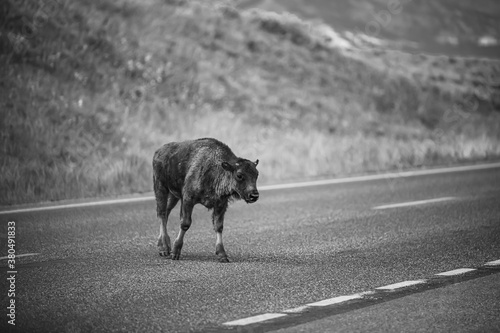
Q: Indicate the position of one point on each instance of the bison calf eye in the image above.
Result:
(239, 176)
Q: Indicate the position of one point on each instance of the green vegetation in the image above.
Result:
(91, 89)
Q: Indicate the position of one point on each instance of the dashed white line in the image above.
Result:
(21, 255)
(493, 263)
(458, 271)
(415, 203)
(387, 176)
(254, 319)
(345, 298)
(336, 300)
(400, 285)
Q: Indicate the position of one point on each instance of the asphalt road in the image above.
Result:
(98, 269)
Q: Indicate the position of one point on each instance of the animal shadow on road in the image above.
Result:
(239, 258)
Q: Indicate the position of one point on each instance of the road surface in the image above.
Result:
(96, 268)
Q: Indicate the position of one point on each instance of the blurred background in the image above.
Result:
(312, 89)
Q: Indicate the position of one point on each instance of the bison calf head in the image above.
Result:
(245, 175)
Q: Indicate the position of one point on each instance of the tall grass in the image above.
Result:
(95, 88)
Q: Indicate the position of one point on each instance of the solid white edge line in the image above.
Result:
(77, 205)
(457, 271)
(387, 176)
(21, 255)
(493, 263)
(415, 203)
(254, 319)
(336, 300)
(399, 285)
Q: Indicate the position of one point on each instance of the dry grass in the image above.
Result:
(97, 88)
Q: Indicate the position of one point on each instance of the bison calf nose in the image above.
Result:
(254, 196)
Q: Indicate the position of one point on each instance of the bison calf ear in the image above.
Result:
(256, 162)
(227, 166)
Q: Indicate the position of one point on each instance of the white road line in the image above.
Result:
(401, 285)
(254, 319)
(391, 175)
(298, 309)
(336, 300)
(78, 205)
(341, 299)
(387, 176)
(21, 255)
(415, 203)
(456, 272)
(493, 263)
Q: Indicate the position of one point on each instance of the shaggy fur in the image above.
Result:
(201, 171)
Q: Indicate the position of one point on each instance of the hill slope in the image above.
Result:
(451, 27)
(93, 89)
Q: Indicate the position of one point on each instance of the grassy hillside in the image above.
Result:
(452, 27)
(91, 89)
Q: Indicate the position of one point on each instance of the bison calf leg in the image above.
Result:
(186, 211)
(163, 239)
(219, 248)
(218, 222)
(163, 210)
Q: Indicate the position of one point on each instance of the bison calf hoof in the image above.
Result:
(222, 256)
(176, 251)
(164, 253)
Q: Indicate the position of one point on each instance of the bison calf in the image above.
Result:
(201, 171)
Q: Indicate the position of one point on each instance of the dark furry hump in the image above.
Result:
(208, 160)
